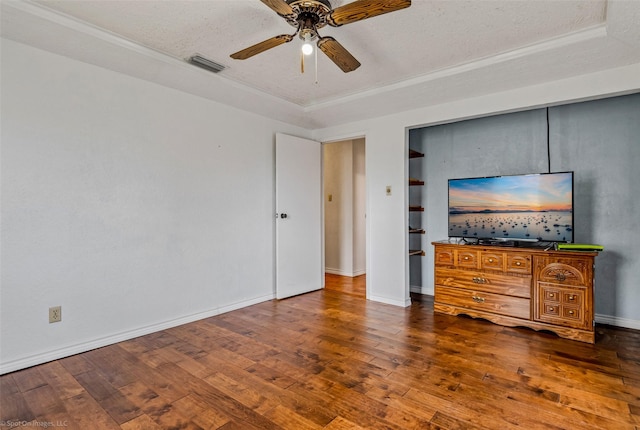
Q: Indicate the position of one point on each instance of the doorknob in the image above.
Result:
(283, 215)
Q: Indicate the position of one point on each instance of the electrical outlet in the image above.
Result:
(55, 314)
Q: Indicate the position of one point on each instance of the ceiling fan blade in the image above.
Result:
(279, 6)
(262, 46)
(338, 54)
(363, 9)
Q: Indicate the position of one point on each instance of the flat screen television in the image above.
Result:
(535, 207)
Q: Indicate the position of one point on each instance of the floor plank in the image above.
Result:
(354, 286)
(333, 360)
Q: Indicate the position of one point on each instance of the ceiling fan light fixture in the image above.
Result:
(308, 16)
(307, 47)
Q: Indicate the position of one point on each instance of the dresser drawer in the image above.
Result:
(467, 259)
(482, 301)
(492, 261)
(562, 305)
(519, 263)
(519, 286)
(565, 271)
(555, 294)
(444, 257)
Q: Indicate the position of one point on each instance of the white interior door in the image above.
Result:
(299, 216)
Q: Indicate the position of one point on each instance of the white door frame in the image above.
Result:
(366, 203)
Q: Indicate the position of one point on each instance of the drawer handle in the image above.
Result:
(572, 297)
(491, 260)
(552, 295)
(466, 257)
(560, 277)
(551, 309)
(477, 280)
(478, 299)
(518, 263)
(571, 313)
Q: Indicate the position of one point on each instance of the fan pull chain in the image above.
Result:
(316, 61)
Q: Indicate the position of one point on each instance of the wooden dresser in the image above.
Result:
(518, 286)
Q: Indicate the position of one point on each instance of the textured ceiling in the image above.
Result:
(507, 43)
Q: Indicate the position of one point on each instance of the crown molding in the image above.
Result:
(589, 35)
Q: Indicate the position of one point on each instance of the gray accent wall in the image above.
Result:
(598, 140)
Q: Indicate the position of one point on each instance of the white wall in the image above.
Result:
(133, 206)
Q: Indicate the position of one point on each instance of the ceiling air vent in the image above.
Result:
(206, 64)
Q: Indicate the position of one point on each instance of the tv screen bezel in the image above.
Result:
(503, 238)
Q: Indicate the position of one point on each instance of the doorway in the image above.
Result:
(344, 197)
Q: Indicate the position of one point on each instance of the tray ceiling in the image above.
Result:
(439, 50)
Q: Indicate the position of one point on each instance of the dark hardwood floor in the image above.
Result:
(355, 286)
(335, 361)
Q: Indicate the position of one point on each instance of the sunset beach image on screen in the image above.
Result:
(525, 207)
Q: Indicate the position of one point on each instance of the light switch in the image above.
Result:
(388, 190)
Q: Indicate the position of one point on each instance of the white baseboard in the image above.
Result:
(401, 303)
(617, 321)
(33, 360)
(344, 273)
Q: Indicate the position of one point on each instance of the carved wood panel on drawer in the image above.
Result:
(444, 257)
(564, 305)
(519, 286)
(467, 259)
(492, 261)
(482, 301)
(565, 271)
(519, 263)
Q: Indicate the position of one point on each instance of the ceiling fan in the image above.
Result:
(307, 16)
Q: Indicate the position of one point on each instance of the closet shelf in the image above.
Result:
(416, 252)
(417, 230)
(416, 209)
(414, 181)
(415, 154)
